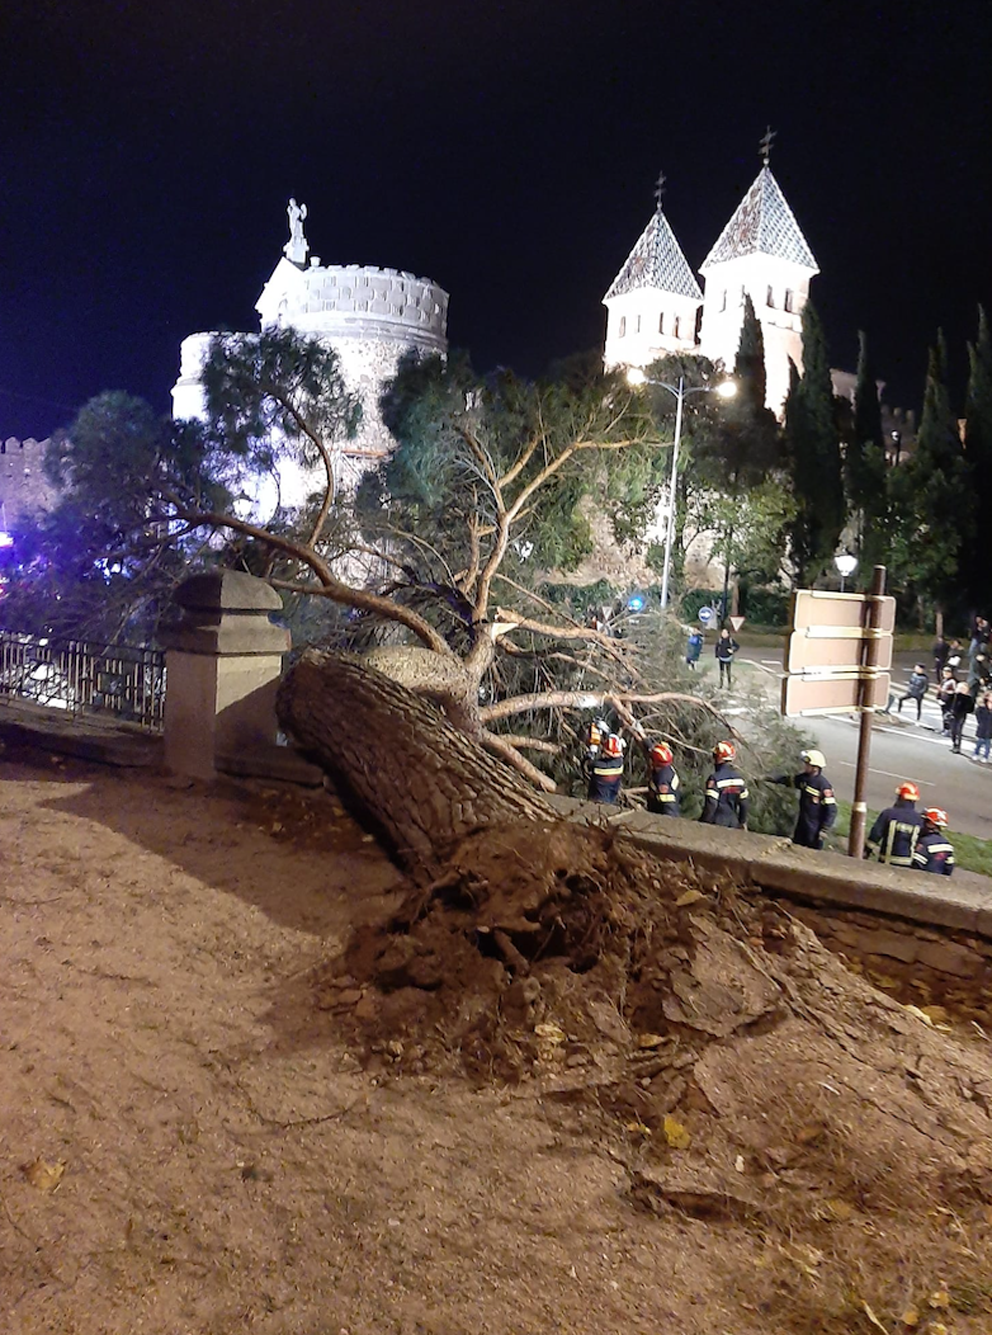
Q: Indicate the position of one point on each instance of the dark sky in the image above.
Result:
(507, 151)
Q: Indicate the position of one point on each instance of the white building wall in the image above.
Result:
(644, 325)
(779, 291)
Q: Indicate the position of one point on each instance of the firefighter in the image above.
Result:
(726, 791)
(606, 773)
(933, 852)
(817, 804)
(663, 781)
(893, 836)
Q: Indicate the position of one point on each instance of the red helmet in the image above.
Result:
(724, 751)
(661, 754)
(909, 790)
(613, 746)
(936, 816)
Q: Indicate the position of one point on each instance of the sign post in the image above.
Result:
(836, 662)
(859, 807)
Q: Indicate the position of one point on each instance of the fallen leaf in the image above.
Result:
(940, 1301)
(44, 1176)
(920, 1014)
(872, 1317)
(676, 1134)
(650, 1040)
(638, 1127)
(937, 1014)
(911, 1317)
(551, 1033)
(690, 897)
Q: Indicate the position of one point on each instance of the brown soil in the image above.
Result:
(637, 1102)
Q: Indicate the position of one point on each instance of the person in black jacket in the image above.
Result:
(895, 833)
(962, 705)
(606, 774)
(916, 689)
(934, 852)
(724, 649)
(817, 804)
(727, 797)
(663, 781)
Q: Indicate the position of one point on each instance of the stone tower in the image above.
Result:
(371, 317)
(762, 252)
(653, 302)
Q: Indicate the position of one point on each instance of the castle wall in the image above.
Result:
(24, 489)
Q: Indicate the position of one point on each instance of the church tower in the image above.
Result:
(763, 253)
(653, 302)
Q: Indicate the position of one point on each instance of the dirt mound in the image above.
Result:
(738, 1069)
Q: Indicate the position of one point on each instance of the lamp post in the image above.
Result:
(726, 389)
(846, 565)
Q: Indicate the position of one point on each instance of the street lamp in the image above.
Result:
(726, 389)
(846, 565)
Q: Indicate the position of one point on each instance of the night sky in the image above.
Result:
(508, 151)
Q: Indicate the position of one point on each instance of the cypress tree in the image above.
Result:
(978, 457)
(749, 365)
(864, 461)
(813, 451)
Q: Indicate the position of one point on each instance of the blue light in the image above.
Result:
(635, 603)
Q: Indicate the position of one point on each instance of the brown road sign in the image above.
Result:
(832, 693)
(816, 647)
(815, 608)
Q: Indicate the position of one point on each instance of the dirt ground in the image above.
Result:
(191, 1141)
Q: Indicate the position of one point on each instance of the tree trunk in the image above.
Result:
(422, 782)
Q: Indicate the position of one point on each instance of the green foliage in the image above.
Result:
(813, 456)
(978, 456)
(933, 504)
(865, 467)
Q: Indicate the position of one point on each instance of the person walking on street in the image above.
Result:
(940, 652)
(955, 655)
(893, 836)
(663, 781)
(933, 852)
(979, 673)
(916, 689)
(983, 728)
(945, 694)
(693, 648)
(727, 797)
(606, 773)
(725, 648)
(817, 804)
(961, 706)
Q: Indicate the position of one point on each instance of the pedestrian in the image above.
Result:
(955, 655)
(606, 771)
(961, 706)
(941, 649)
(693, 648)
(983, 728)
(979, 673)
(893, 836)
(916, 689)
(727, 797)
(933, 851)
(663, 781)
(979, 636)
(817, 804)
(725, 648)
(945, 695)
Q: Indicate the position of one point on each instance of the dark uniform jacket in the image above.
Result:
(934, 853)
(663, 791)
(894, 835)
(817, 809)
(605, 776)
(726, 798)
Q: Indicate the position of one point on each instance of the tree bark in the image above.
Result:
(423, 782)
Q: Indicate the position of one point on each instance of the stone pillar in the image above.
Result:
(223, 663)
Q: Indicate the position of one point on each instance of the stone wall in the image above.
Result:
(23, 485)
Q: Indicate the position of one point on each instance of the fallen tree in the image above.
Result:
(740, 1073)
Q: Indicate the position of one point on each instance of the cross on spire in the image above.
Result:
(659, 189)
(765, 147)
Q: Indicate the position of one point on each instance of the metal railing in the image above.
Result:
(84, 678)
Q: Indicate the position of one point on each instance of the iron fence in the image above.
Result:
(84, 678)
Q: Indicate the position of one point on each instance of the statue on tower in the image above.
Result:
(296, 247)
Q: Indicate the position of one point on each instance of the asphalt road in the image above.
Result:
(901, 749)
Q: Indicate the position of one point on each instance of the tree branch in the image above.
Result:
(493, 742)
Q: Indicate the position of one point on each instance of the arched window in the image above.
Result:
(661, 323)
(787, 304)
(677, 330)
(623, 326)
(771, 296)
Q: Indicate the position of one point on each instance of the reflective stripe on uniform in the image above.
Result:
(610, 772)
